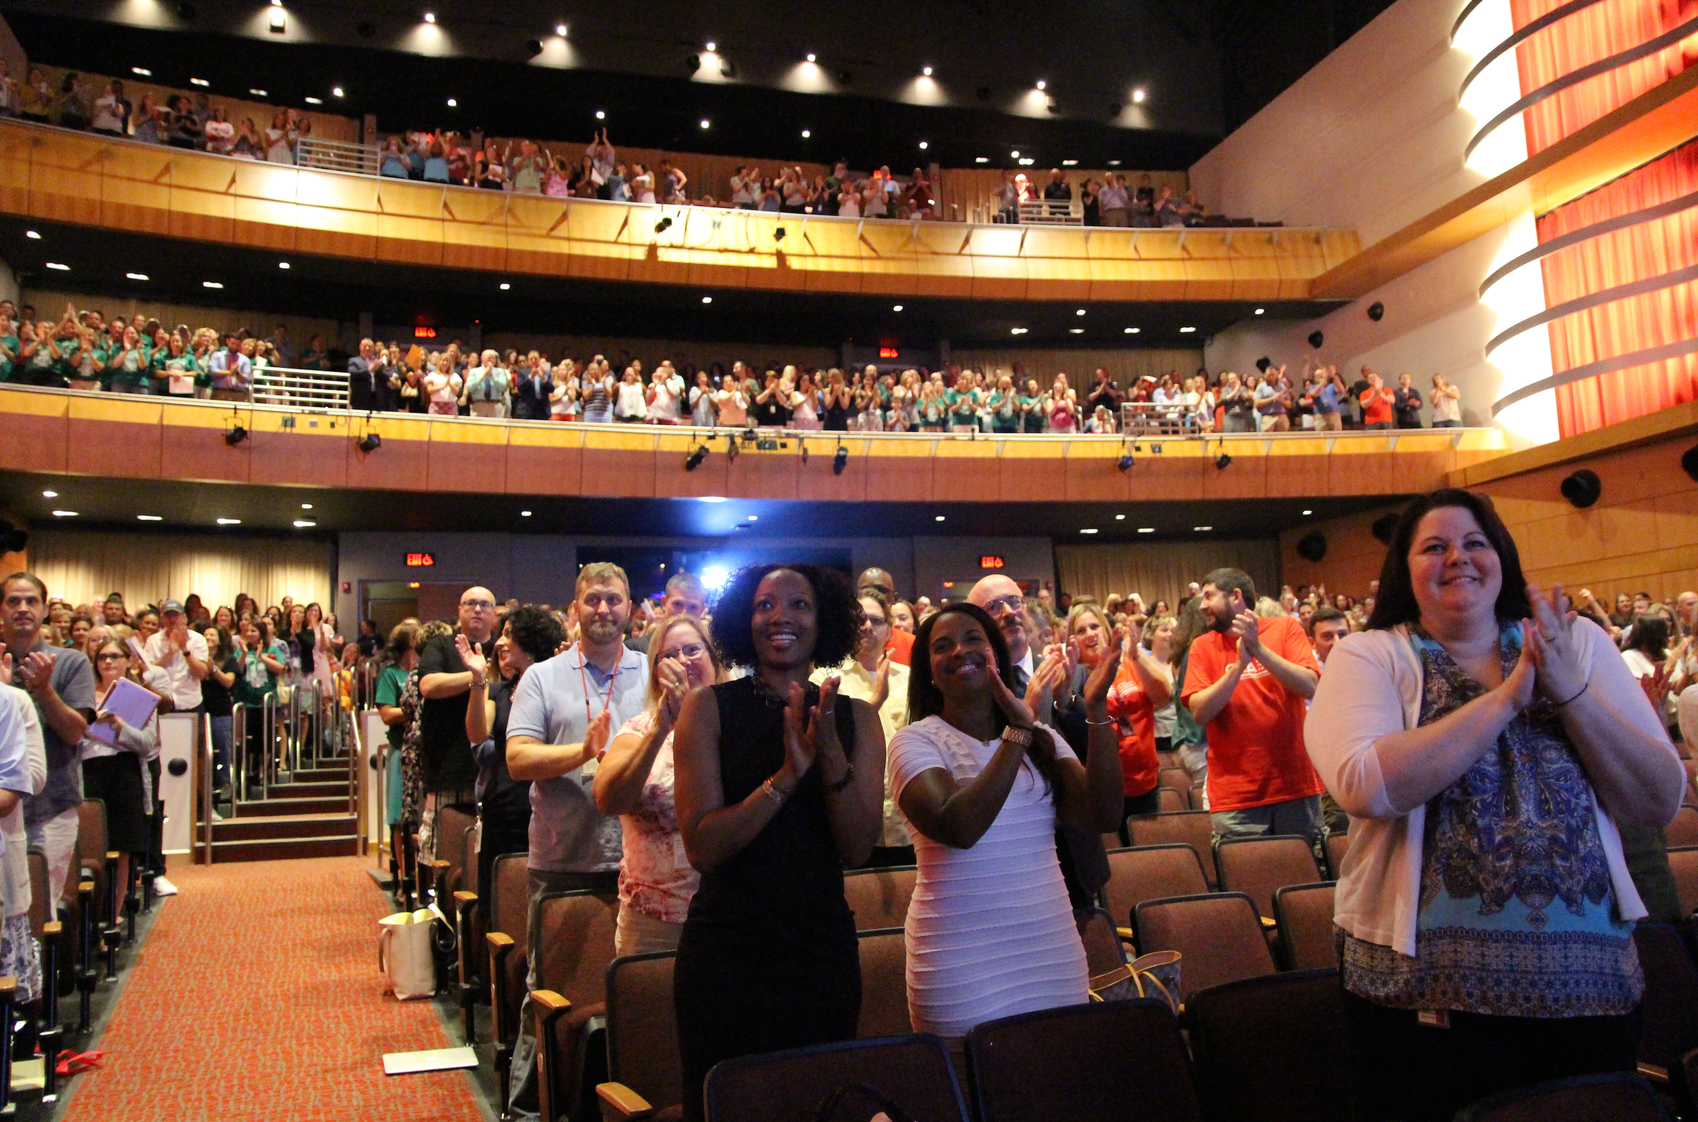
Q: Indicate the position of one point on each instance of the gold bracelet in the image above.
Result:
(774, 792)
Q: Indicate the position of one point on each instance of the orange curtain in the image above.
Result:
(1635, 323)
(1595, 33)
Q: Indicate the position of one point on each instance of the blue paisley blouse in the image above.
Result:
(1517, 916)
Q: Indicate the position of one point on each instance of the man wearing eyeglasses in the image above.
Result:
(61, 683)
(898, 644)
(449, 770)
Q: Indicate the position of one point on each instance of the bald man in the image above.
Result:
(445, 757)
(900, 645)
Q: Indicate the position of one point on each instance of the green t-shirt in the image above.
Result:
(164, 364)
(391, 680)
(126, 368)
(963, 407)
(89, 367)
(254, 680)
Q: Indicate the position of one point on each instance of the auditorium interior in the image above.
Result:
(445, 312)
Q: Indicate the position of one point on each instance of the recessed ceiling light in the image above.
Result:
(754, 518)
(1080, 312)
(282, 264)
(136, 276)
(707, 299)
(1186, 330)
(258, 93)
(1138, 97)
(560, 30)
(50, 494)
(896, 307)
(315, 101)
(706, 123)
(64, 514)
(229, 521)
(430, 17)
(1120, 518)
(142, 70)
(1014, 155)
(712, 46)
(923, 146)
(1040, 83)
(1017, 330)
(926, 70)
(1200, 529)
(199, 82)
(211, 284)
(1307, 513)
(149, 518)
(940, 518)
(58, 267)
(601, 114)
(505, 286)
(453, 103)
(1070, 163)
(336, 91)
(1114, 163)
(806, 133)
(32, 235)
(1259, 311)
(1132, 331)
(1088, 530)
(306, 506)
(981, 159)
(810, 56)
(711, 498)
(1146, 529)
(524, 514)
(304, 523)
(1075, 330)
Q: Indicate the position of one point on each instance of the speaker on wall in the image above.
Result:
(1582, 488)
(1316, 339)
(1376, 311)
(1689, 462)
(1312, 547)
(1384, 527)
(13, 539)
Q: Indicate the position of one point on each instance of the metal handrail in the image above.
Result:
(1052, 212)
(208, 783)
(268, 743)
(337, 155)
(285, 385)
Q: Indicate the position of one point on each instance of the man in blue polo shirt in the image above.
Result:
(565, 712)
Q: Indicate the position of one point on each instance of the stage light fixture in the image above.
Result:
(663, 225)
(926, 70)
(1222, 462)
(560, 30)
(235, 435)
(370, 442)
(1126, 462)
(1312, 547)
(1689, 462)
(778, 234)
(694, 459)
(1316, 338)
(534, 47)
(279, 21)
(839, 460)
(731, 447)
(810, 56)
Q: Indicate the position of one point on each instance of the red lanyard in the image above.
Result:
(585, 679)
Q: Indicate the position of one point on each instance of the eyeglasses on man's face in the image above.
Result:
(1010, 603)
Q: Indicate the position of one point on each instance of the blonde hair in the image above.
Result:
(658, 639)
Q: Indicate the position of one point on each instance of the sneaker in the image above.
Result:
(216, 817)
(163, 887)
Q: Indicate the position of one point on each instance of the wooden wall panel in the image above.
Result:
(109, 438)
(1094, 475)
(198, 452)
(37, 432)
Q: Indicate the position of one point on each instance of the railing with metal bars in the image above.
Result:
(304, 389)
(337, 155)
(1052, 212)
(1151, 418)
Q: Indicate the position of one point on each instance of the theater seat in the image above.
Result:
(914, 1071)
(645, 1078)
(884, 984)
(1611, 1097)
(1683, 831)
(879, 897)
(1268, 1048)
(508, 964)
(1218, 935)
(1191, 827)
(1149, 872)
(1303, 913)
(574, 940)
(1259, 866)
(1104, 950)
(1683, 863)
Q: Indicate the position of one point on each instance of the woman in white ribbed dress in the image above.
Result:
(990, 931)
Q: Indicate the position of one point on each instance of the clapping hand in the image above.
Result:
(36, 670)
(1103, 674)
(806, 730)
(1556, 653)
(472, 655)
(674, 684)
(1244, 626)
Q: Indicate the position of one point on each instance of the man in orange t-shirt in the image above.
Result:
(1247, 681)
(900, 645)
(1141, 686)
(1377, 403)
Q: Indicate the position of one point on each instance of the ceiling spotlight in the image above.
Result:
(236, 435)
(1114, 163)
(926, 70)
(32, 235)
(1120, 518)
(430, 17)
(136, 276)
(1080, 312)
(694, 459)
(304, 523)
(754, 518)
(1201, 529)
(981, 159)
(505, 286)
(1146, 529)
(560, 30)
(711, 47)
(706, 123)
(149, 518)
(1186, 330)
(1138, 97)
(1075, 331)
(1307, 513)
(1222, 462)
(199, 82)
(1070, 163)
(64, 514)
(664, 224)
(1014, 155)
(839, 460)
(601, 114)
(314, 101)
(212, 284)
(896, 307)
(142, 71)
(1259, 311)
(370, 443)
(50, 494)
(524, 514)
(1040, 83)
(707, 299)
(258, 93)
(282, 264)
(1132, 331)
(923, 146)
(806, 133)
(306, 506)
(58, 267)
(810, 56)
(278, 22)
(940, 518)
(336, 91)
(453, 104)
(1088, 530)
(229, 521)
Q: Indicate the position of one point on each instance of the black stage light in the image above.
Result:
(1263, 363)
(1582, 488)
(236, 435)
(1316, 339)
(803, 444)
(694, 459)
(533, 47)
(370, 442)
(1223, 461)
(1384, 527)
(731, 446)
(1126, 462)
(694, 63)
(663, 225)
(778, 234)
(839, 460)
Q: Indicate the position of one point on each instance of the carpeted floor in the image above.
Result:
(257, 996)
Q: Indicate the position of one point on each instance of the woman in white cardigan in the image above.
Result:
(1485, 745)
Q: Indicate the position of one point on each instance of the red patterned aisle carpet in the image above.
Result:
(257, 996)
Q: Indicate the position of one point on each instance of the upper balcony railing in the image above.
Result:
(55, 175)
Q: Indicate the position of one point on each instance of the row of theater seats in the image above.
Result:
(1253, 923)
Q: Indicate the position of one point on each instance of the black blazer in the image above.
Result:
(530, 397)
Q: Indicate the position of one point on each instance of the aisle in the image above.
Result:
(257, 996)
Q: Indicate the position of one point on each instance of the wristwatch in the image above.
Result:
(1020, 736)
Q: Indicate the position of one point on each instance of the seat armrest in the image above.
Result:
(620, 1102)
(1656, 1076)
(52, 928)
(464, 900)
(502, 1007)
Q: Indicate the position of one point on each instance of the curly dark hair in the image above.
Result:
(1396, 604)
(535, 632)
(837, 607)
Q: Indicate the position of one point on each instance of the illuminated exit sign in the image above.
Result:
(991, 561)
(420, 560)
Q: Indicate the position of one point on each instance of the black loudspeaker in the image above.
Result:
(13, 539)
(178, 766)
(1263, 363)
(1689, 462)
(1376, 311)
(1582, 488)
(1384, 527)
(1316, 339)
(1312, 546)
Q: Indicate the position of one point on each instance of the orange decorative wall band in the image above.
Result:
(69, 177)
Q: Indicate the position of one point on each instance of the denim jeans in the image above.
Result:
(1296, 816)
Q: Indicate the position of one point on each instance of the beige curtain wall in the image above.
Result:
(83, 566)
(1162, 570)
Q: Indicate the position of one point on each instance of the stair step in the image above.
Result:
(284, 826)
(320, 774)
(321, 790)
(282, 849)
(275, 806)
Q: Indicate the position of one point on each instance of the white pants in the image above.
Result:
(57, 838)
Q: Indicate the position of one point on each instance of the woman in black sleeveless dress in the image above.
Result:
(780, 786)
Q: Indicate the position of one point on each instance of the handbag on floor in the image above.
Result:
(404, 953)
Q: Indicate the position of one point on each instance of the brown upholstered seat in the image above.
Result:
(1192, 827)
(884, 984)
(912, 1071)
(879, 897)
(1304, 914)
(1219, 936)
(1262, 1049)
(645, 1078)
(1258, 866)
(575, 938)
(1149, 872)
